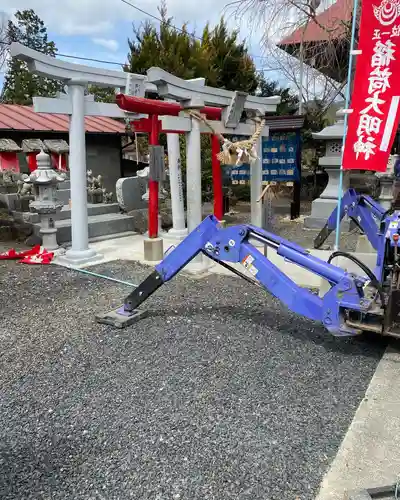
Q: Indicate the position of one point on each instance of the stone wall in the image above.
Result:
(103, 157)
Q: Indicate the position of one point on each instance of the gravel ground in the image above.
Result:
(220, 394)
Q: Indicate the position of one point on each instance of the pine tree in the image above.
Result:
(102, 94)
(217, 56)
(231, 66)
(289, 101)
(172, 49)
(20, 85)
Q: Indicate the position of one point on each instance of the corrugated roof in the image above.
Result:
(24, 118)
(284, 122)
(328, 25)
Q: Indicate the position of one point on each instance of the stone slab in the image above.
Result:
(9, 200)
(65, 213)
(99, 225)
(129, 191)
(323, 207)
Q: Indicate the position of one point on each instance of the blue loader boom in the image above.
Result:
(353, 304)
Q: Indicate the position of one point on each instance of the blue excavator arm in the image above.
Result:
(348, 294)
(363, 210)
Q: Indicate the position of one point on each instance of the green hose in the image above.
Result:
(97, 275)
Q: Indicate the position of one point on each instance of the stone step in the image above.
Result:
(99, 225)
(93, 209)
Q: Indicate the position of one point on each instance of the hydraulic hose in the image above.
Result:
(365, 268)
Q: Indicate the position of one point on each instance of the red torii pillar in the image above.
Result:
(155, 108)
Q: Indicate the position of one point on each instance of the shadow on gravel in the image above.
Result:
(302, 329)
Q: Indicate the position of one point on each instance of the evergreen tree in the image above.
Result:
(217, 56)
(289, 101)
(172, 49)
(20, 85)
(102, 94)
(230, 65)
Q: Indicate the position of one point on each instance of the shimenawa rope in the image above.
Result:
(234, 153)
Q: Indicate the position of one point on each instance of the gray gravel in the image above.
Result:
(220, 394)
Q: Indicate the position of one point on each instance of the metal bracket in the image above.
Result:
(156, 163)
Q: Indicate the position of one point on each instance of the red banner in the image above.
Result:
(375, 105)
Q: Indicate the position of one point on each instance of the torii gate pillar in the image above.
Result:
(80, 251)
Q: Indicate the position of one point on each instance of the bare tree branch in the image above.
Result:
(278, 19)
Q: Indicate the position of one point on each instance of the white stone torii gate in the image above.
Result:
(76, 77)
(233, 104)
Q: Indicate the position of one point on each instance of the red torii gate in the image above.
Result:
(152, 126)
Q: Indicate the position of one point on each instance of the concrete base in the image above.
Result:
(369, 454)
(153, 249)
(199, 266)
(76, 258)
(177, 234)
(311, 222)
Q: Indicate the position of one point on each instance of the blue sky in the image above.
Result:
(99, 30)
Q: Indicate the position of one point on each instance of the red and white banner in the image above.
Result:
(375, 102)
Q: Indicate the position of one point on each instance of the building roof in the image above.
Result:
(329, 25)
(57, 146)
(32, 145)
(24, 118)
(9, 146)
(284, 122)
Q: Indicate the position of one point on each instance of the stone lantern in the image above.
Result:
(323, 206)
(386, 180)
(45, 180)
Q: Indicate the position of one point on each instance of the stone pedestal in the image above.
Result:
(323, 206)
(48, 231)
(386, 183)
(153, 249)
